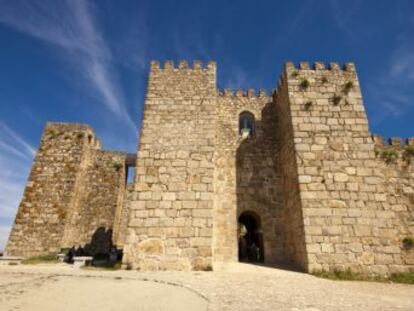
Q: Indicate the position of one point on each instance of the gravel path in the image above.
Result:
(233, 287)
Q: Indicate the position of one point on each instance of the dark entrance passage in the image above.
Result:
(250, 238)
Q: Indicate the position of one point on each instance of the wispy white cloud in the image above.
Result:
(348, 18)
(393, 90)
(71, 25)
(27, 148)
(403, 64)
(16, 155)
(237, 78)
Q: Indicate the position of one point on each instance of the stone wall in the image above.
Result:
(99, 193)
(246, 177)
(72, 191)
(326, 193)
(294, 238)
(122, 217)
(395, 166)
(350, 213)
(170, 223)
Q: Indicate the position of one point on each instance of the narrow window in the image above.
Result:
(246, 124)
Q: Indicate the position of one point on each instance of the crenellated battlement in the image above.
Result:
(333, 66)
(169, 65)
(394, 150)
(395, 142)
(63, 126)
(78, 131)
(250, 93)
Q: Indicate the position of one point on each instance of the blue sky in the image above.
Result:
(87, 61)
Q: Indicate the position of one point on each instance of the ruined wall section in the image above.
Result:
(46, 202)
(72, 194)
(122, 217)
(170, 225)
(99, 194)
(246, 179)
(349, 214)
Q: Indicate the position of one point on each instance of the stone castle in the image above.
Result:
(293, 178)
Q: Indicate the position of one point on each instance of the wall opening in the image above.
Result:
(130, 163)
(246, 124)
(130, 174)
(250, 238)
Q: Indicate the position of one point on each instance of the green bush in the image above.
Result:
(406, 278)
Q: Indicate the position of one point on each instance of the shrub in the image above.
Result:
(294, 74)
(324, 79)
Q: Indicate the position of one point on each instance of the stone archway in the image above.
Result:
(250, 238)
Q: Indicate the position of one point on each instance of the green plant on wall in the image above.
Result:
(117, 166)
(408, 243)
(304, 84)
(409, 151)
(324, 80)
(308, 105)
(389, 155)
(294, 74)
(336, 99)
(348, 87)
(53, 134)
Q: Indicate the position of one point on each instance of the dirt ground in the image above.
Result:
(232, 287)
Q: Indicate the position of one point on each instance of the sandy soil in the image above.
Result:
(67, 293)
(233, 287)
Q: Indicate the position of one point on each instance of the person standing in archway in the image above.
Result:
(243, 247)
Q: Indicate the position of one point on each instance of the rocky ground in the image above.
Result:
(232, 287)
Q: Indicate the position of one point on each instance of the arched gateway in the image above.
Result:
(250, 238)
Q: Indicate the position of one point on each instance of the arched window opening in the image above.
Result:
(246, 124)
(250, 238)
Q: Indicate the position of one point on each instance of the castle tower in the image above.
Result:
(344, 210)
(72, 196)
(170, 223)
